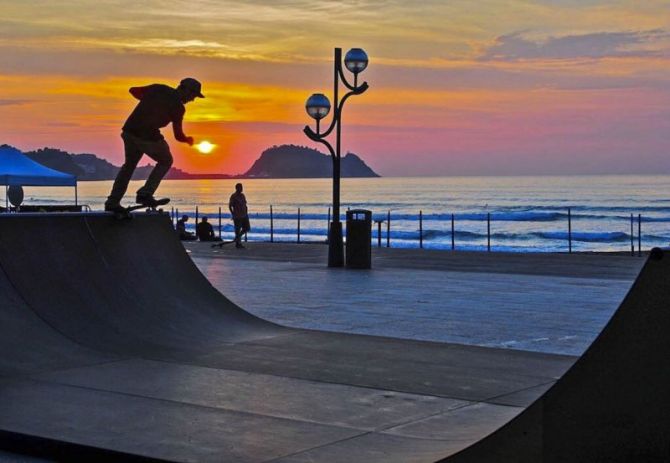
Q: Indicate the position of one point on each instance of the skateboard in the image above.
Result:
(124, 212)
(222, 244)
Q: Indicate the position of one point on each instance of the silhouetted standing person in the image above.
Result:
(238, 209)
(159, 106)
(205, 231)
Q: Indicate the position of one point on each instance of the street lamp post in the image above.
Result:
(318, 107)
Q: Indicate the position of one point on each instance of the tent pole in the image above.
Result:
(7, 198)
(76, 196)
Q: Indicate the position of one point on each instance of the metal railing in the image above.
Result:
(301, 236)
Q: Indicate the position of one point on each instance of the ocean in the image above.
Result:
(527, 214)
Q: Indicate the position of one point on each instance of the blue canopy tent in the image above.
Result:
(17, 169)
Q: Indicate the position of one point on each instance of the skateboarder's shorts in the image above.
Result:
(242, 223)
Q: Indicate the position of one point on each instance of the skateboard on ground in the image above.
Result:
(221, 244)
(124, 212)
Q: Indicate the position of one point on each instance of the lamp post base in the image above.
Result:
(335, 245)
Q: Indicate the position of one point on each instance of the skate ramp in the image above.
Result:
(29, 343)
(117, 286)
(116, 346)
(613, 404)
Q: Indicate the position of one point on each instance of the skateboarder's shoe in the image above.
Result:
(146, 200)
(113, 207)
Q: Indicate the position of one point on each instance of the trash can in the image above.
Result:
(359, 237)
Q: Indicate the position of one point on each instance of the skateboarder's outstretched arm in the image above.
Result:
(179, 132)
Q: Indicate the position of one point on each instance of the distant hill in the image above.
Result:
(284, 161)
(84, 166)
(291, 161)
(59, 160)
(90, 167)
(94, 168)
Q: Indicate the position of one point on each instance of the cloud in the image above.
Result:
(518, 46)
(10, 102)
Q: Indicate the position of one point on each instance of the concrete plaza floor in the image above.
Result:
(308, 396)
(552, 303)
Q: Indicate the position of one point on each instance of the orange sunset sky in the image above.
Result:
(457, 87)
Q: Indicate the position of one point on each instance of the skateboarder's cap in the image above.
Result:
(193, 85)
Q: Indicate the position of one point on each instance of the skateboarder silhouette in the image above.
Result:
(159, 105)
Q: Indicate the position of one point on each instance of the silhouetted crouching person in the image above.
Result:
(238, 210)
(205, 231)
(181, 230)
(159, 105)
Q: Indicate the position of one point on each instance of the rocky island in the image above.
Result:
(291, 161)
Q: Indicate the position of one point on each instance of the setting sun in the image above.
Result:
(205, 147)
